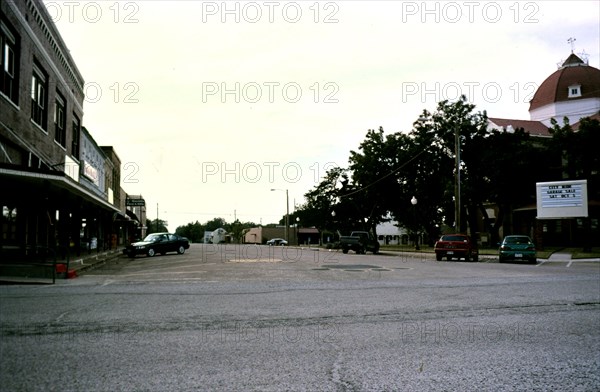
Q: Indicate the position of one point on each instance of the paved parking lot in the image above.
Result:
(271, 319)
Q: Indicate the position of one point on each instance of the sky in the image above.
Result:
(210, 105)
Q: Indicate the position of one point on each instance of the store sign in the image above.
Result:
(563, 199)
(135, 202)
(91, 172)
(71, 168)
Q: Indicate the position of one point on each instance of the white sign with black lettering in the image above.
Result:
(563, 199)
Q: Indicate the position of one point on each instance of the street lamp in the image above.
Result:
(413, 201)
(287, 213)
(457, 182)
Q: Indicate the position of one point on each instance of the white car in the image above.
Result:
(277, 241)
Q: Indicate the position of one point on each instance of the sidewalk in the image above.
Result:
(39, 273)
(566, 257)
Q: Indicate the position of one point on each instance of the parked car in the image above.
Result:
(360, 242)
(517, 248)
(158, 243)
(459, 246)
(277, 241)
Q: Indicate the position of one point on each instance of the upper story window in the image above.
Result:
(75, 141)
(575, 91)
(39, 96)
(9, 64)
(60, 121)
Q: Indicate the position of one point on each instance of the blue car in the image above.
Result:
(517, 248)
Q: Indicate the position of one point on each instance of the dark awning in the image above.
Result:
(58, 179)
(132, 215)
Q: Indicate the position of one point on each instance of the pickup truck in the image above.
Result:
(360, 242)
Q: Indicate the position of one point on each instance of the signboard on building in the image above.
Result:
(91, 173)
(71, 168)
(135, 202)
(562, 199)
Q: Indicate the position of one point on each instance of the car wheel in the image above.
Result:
(131, 255)
(181, 250)
(344, 250)
(476, 259)
(467, 257)
(438, 256)
(449, 258)
(151, 252)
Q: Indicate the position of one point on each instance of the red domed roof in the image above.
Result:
(556, 87)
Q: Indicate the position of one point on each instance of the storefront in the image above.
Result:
(46, 213)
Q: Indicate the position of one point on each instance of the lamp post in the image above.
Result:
(457, 181)
(297, 230)
(413, 201)
(287, 213)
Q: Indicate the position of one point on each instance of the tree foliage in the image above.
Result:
(387, 170)
(156, 226)
(195, 231)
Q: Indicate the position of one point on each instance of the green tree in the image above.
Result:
(215, 224)
(579, 151)
(377, 167)
(321, 200)
(433, 175)
(156, 226)
(193, 231)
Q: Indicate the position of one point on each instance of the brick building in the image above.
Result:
(60, 192)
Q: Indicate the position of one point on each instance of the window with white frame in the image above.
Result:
(39, 88)
(60, 121)
(575, 91)
(76, 137)
(8, 63)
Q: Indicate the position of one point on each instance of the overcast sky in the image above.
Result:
(210, 105)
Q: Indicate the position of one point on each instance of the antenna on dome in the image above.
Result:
(572, 42)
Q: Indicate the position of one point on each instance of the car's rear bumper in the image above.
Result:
(518, 256)
(452, 252)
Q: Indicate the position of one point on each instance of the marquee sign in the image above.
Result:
(562, 199)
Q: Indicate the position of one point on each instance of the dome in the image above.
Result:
(575, 80)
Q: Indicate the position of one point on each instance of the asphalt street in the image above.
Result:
(257, 318)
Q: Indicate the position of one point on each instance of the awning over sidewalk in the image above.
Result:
(58, 179)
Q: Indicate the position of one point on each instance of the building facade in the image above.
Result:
(59, 191)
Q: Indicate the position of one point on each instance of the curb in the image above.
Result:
(83, 264)
(76, 268)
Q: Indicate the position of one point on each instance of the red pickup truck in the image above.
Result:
(456, 246)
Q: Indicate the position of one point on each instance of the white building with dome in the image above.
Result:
(573, 91)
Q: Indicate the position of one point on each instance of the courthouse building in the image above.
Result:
(572, 92)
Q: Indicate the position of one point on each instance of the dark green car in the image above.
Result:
(517, 248)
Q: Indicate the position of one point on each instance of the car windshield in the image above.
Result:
(152, 237)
